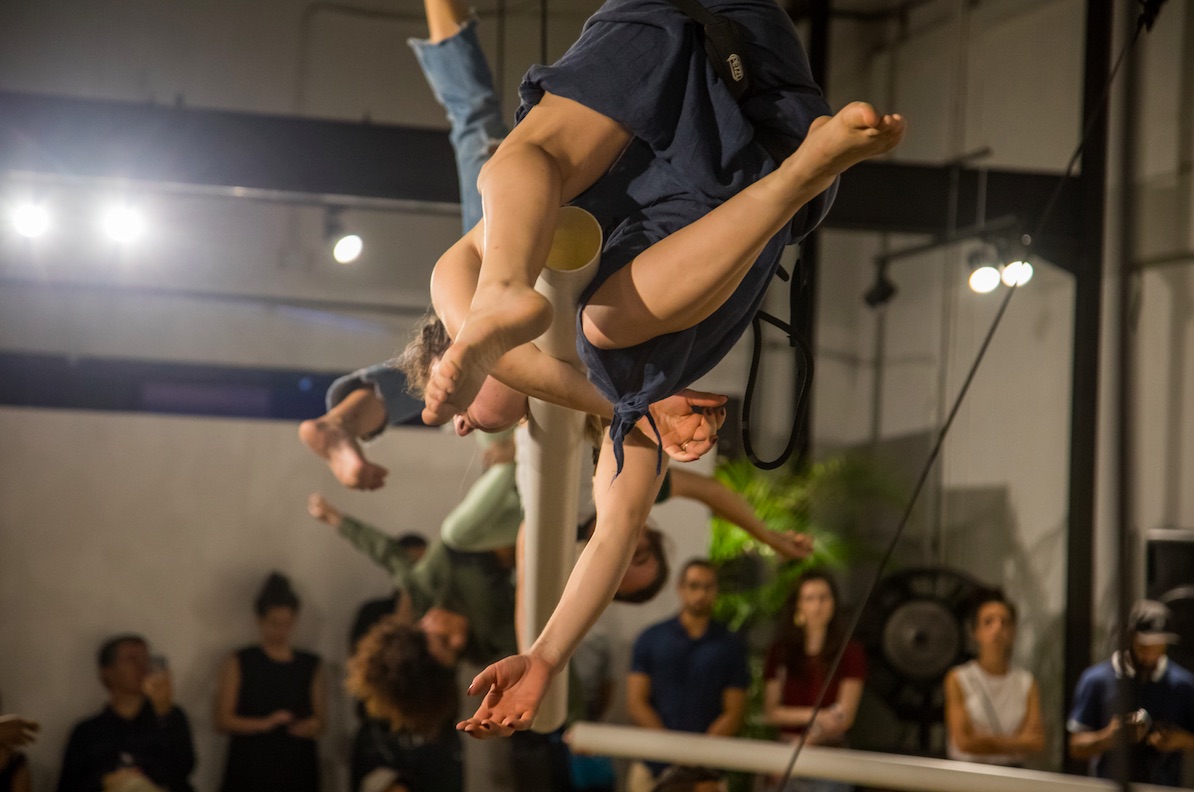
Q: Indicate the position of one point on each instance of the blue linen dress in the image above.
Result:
(642, 63)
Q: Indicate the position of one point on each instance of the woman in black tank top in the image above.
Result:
(271, 702)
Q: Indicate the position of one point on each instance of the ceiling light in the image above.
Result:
(985, 279)
(348, 249)
(31, 221)
(1017, 273)
(124, 224)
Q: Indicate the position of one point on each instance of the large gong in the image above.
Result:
(914, 632)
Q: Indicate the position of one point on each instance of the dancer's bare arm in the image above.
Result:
(732, 507)
(514, 687)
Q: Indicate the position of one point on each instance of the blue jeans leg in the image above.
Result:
(459, 77)
(387, 382)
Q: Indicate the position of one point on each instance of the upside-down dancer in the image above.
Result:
(634, 125)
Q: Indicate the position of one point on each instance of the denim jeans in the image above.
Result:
(459, 77)
(390, 386)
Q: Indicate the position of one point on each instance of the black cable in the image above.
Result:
(804, 375)
(1145, 20)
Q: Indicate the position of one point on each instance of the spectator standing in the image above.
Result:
(271, 701)
(688, 673)
(1161, 698)
(992, 708)
(811, 632)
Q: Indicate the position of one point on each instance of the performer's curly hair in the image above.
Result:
(395, 675)
(430, 341)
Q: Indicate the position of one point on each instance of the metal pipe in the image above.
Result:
(864, 768)
(548, 449)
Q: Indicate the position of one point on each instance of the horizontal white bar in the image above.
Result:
(885, 771)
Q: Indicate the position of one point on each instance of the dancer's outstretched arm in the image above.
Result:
(514, 687)
(732, 507)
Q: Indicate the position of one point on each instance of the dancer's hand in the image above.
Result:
(688, 423)
(787, 545)
(513, 688)
(323, 511)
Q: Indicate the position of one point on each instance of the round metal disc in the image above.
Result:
(921, 639)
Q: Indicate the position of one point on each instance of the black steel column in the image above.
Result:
(1084, 414)
(804, 300)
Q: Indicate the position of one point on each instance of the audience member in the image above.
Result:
(1161, 702)
(681, 778)
(15, 732)
(992, 709)
(688, 673)
(811, 632)
(140, 740)
(271, 701)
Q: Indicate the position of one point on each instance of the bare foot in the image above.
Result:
(328, 438)
(501, 318)
(856, 133)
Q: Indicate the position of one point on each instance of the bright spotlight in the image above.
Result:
(1017, 273)
(984, 279)
(348, 249)
(31, 221)
(124, 224)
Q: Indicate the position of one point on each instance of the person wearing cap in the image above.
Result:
(1161, 702)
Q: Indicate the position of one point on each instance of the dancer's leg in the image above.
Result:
(560, 149)
(684, 278)
(444, 18)
(333, 436)
(455, 68)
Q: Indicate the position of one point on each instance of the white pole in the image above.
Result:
(880, 770)
(549, 461)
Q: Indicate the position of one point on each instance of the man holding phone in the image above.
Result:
(141, 740)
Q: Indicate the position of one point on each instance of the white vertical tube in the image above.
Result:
(549, 461)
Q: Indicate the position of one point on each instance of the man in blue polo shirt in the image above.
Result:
(1161, 703)
(688, 673)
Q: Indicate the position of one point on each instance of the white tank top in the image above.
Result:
(995, 705)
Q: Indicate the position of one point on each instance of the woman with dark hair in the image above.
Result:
(811, 632)
(271, 700)
(992, 708)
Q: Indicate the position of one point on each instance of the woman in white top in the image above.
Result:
(993, 710)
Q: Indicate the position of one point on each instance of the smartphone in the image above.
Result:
(157, 663)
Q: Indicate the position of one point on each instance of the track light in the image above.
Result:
(123, 224)
(1017, 273)
(31, 220)
(984, 277)
(346, 247)
(882, 290)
